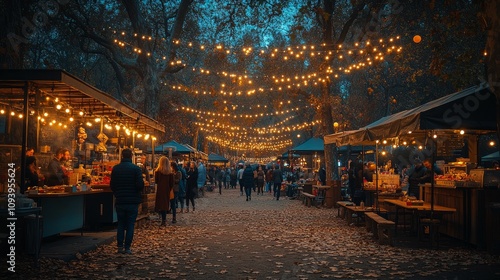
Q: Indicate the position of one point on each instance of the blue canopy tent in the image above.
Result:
(172, 145)
(212, 157)
(311, 146)
(172, 148)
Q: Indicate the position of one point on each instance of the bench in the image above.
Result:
(382, 229)
(308, 199)
(341, 208)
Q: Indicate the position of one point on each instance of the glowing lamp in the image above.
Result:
(417, 39)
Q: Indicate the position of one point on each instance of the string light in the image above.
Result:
(291, 51)
(366, 54)
(247, 115)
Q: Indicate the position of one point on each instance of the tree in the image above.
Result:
(491, 23)
(153, 33)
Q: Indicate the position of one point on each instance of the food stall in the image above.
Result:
(436, 129)
(384, 186)
(217, 160)
(48, 109)
(474, 193)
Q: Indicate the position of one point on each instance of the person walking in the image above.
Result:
(254, 179)
(202, 176)
(164, 179)
(260, 180)
(277, 179)
(227, 178)
(248, 181)
(181, 196)
(240, 179)
(191, 184)
(127, 184)
(220, 175)
(233, 175)
(269, 180)
(177, 181)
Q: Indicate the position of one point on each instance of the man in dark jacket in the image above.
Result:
(247, 180)
(127, 185)
(277, 179)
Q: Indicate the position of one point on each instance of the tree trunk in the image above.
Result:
(330, 149)
(152, 89)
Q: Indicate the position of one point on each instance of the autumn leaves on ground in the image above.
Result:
(230, 238)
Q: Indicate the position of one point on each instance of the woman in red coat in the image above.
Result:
(164, 179)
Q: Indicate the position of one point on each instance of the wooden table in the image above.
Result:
(341, 210)
(353, 209)
(417, 210)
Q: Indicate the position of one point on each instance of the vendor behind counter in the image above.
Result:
(57, 174)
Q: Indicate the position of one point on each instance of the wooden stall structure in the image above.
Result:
(436, 126)
(215, 159)
(65, 101)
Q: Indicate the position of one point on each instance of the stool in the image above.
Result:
(429, 230)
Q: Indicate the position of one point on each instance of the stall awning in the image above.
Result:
(310, 146)
(212, 157)
(45, 85)
(472, 109)
(174, 146)
(491, 157)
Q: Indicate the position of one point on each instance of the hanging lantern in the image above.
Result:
(417, 39)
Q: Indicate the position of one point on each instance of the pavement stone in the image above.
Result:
(230, 238)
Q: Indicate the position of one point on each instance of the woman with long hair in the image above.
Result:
(164, 179)
(191, 184)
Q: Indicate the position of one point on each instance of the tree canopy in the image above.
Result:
(251, 75)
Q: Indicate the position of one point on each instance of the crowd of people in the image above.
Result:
(178, 184)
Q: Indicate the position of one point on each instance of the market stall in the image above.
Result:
(48, 109)
(437, 129)
(173, 149)
(312, 152)
(215, 159)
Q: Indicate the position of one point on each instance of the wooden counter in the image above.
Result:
(474, 222)
(63, 212)
(63, 194)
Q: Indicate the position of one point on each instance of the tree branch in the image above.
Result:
(176, 33)
(349, 22)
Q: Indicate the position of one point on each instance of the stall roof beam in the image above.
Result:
(472, 109)
(72, 90)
